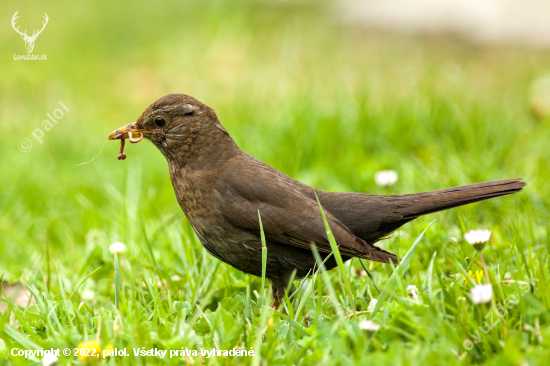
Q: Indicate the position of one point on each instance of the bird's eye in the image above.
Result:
(159, 121)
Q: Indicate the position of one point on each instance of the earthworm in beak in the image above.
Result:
(121, 155)
(132, 140)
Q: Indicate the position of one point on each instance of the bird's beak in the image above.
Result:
(125, 131)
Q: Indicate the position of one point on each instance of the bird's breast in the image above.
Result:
(193, 192)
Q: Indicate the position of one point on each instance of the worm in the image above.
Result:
(132, 140)
(121, 155)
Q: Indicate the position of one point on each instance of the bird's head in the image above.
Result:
(176, 124)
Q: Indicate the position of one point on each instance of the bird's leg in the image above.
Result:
(278, 287)
(278, 291)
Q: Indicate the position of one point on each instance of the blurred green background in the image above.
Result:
(327, 102)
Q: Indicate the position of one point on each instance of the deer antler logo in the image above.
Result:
(29, 41)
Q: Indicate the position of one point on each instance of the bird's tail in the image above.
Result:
(418, 204)
(372, 217)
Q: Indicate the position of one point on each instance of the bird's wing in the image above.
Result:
(288, 217)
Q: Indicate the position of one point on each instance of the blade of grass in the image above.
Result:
(430, 273)
(48, 270)
(84, 280)
(309, 290)
(149, 245)
(336, 251)
(117, 282)
(370, 276)
(326, 279)
(402, 268)
(264, 253)
(258, 341)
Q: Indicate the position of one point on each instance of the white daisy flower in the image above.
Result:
(117, 247)
(368, 325)
(49, 359)
(385, 178)
(412, 290)
(478, 238)
(87, 294)
(482, 294)
(372, 304)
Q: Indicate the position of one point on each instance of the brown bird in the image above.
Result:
(221, 189)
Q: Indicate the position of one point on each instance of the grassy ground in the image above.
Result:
(324, 103)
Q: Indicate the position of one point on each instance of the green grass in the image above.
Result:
(323, 102)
